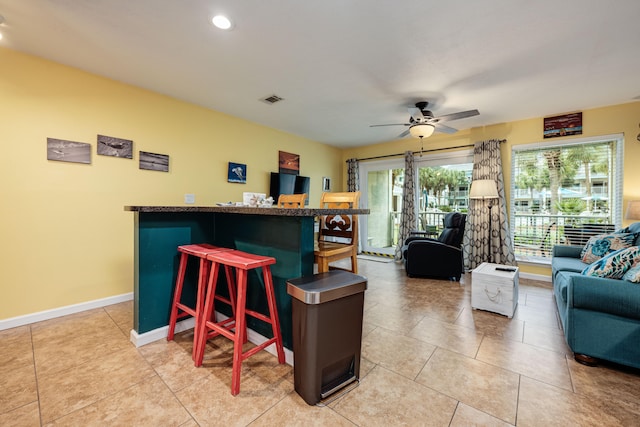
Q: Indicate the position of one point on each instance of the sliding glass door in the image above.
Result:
(442, 185)
(381, 185)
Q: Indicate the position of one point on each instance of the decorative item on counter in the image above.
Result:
(266, 203)
(253, 199)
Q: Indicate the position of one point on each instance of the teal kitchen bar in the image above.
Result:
(285, 234)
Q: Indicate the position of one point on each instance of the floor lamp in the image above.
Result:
(485, 189)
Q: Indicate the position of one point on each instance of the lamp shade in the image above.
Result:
(633, 210)
(421, 130)
(483, 189)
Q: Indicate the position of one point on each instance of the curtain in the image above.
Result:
(353, 181)
(408, 214)
(487, 164)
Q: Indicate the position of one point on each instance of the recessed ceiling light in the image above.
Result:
(222, 22)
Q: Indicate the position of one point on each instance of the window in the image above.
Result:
(442, 185)
(564, 192)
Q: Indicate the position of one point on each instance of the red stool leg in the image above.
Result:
(231, 286)
(240, 331)
(207, 311)
(182, 268)
(203, 276)
(273, 311)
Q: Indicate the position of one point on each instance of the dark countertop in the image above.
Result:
(246, 210)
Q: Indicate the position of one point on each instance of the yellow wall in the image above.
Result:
(65, 236)
(615, 119)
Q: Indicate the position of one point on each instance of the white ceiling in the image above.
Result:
(342, 65)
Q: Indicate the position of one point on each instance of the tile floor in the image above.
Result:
(427, 359)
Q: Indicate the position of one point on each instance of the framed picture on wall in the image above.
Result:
(154, 161)
(288, 163)
(237, 173)
(565, 125)
(68, 151)
(326, 183)
(115, 147)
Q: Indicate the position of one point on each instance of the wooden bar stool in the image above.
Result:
(235, 329)
(180, 310)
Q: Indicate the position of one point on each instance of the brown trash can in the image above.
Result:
(327, 332)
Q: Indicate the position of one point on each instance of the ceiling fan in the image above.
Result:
(422, 123)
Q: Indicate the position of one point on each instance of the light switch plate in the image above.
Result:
(190, 198)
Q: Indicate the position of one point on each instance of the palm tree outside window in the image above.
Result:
(562, 192)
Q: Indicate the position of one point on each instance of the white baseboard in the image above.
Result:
(27, 319)
(161, 333)
(541, 277)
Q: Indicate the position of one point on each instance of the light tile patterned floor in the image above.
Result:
(427, 359)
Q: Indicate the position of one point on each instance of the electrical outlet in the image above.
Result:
(190, 198)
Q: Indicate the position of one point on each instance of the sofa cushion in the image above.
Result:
(567, 264)
(562, 282)
(614, 265)
(632, 274)
(603, 244)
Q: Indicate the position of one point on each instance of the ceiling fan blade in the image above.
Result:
(391, 124)
(444, 129)
(403, 134)
(456, 116)
(416, 114)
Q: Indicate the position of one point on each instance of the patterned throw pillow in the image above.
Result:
(615, 264)
(603, 244)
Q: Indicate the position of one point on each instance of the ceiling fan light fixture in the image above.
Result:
(421, 130)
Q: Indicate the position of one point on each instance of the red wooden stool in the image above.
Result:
(180, 310)
(243, 262)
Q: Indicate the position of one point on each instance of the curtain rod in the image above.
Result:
(415, 152)
(421, 151)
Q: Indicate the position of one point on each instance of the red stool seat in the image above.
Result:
(235, 327)
(180, 310)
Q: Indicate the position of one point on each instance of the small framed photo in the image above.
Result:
(288, 163)
(564, 125)
(62, 150)
(115, 147)
(326, 183)
(154, 161)
(237, 173)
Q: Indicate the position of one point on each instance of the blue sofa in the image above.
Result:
(600, 317)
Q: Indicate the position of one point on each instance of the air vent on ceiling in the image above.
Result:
(271, 99)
